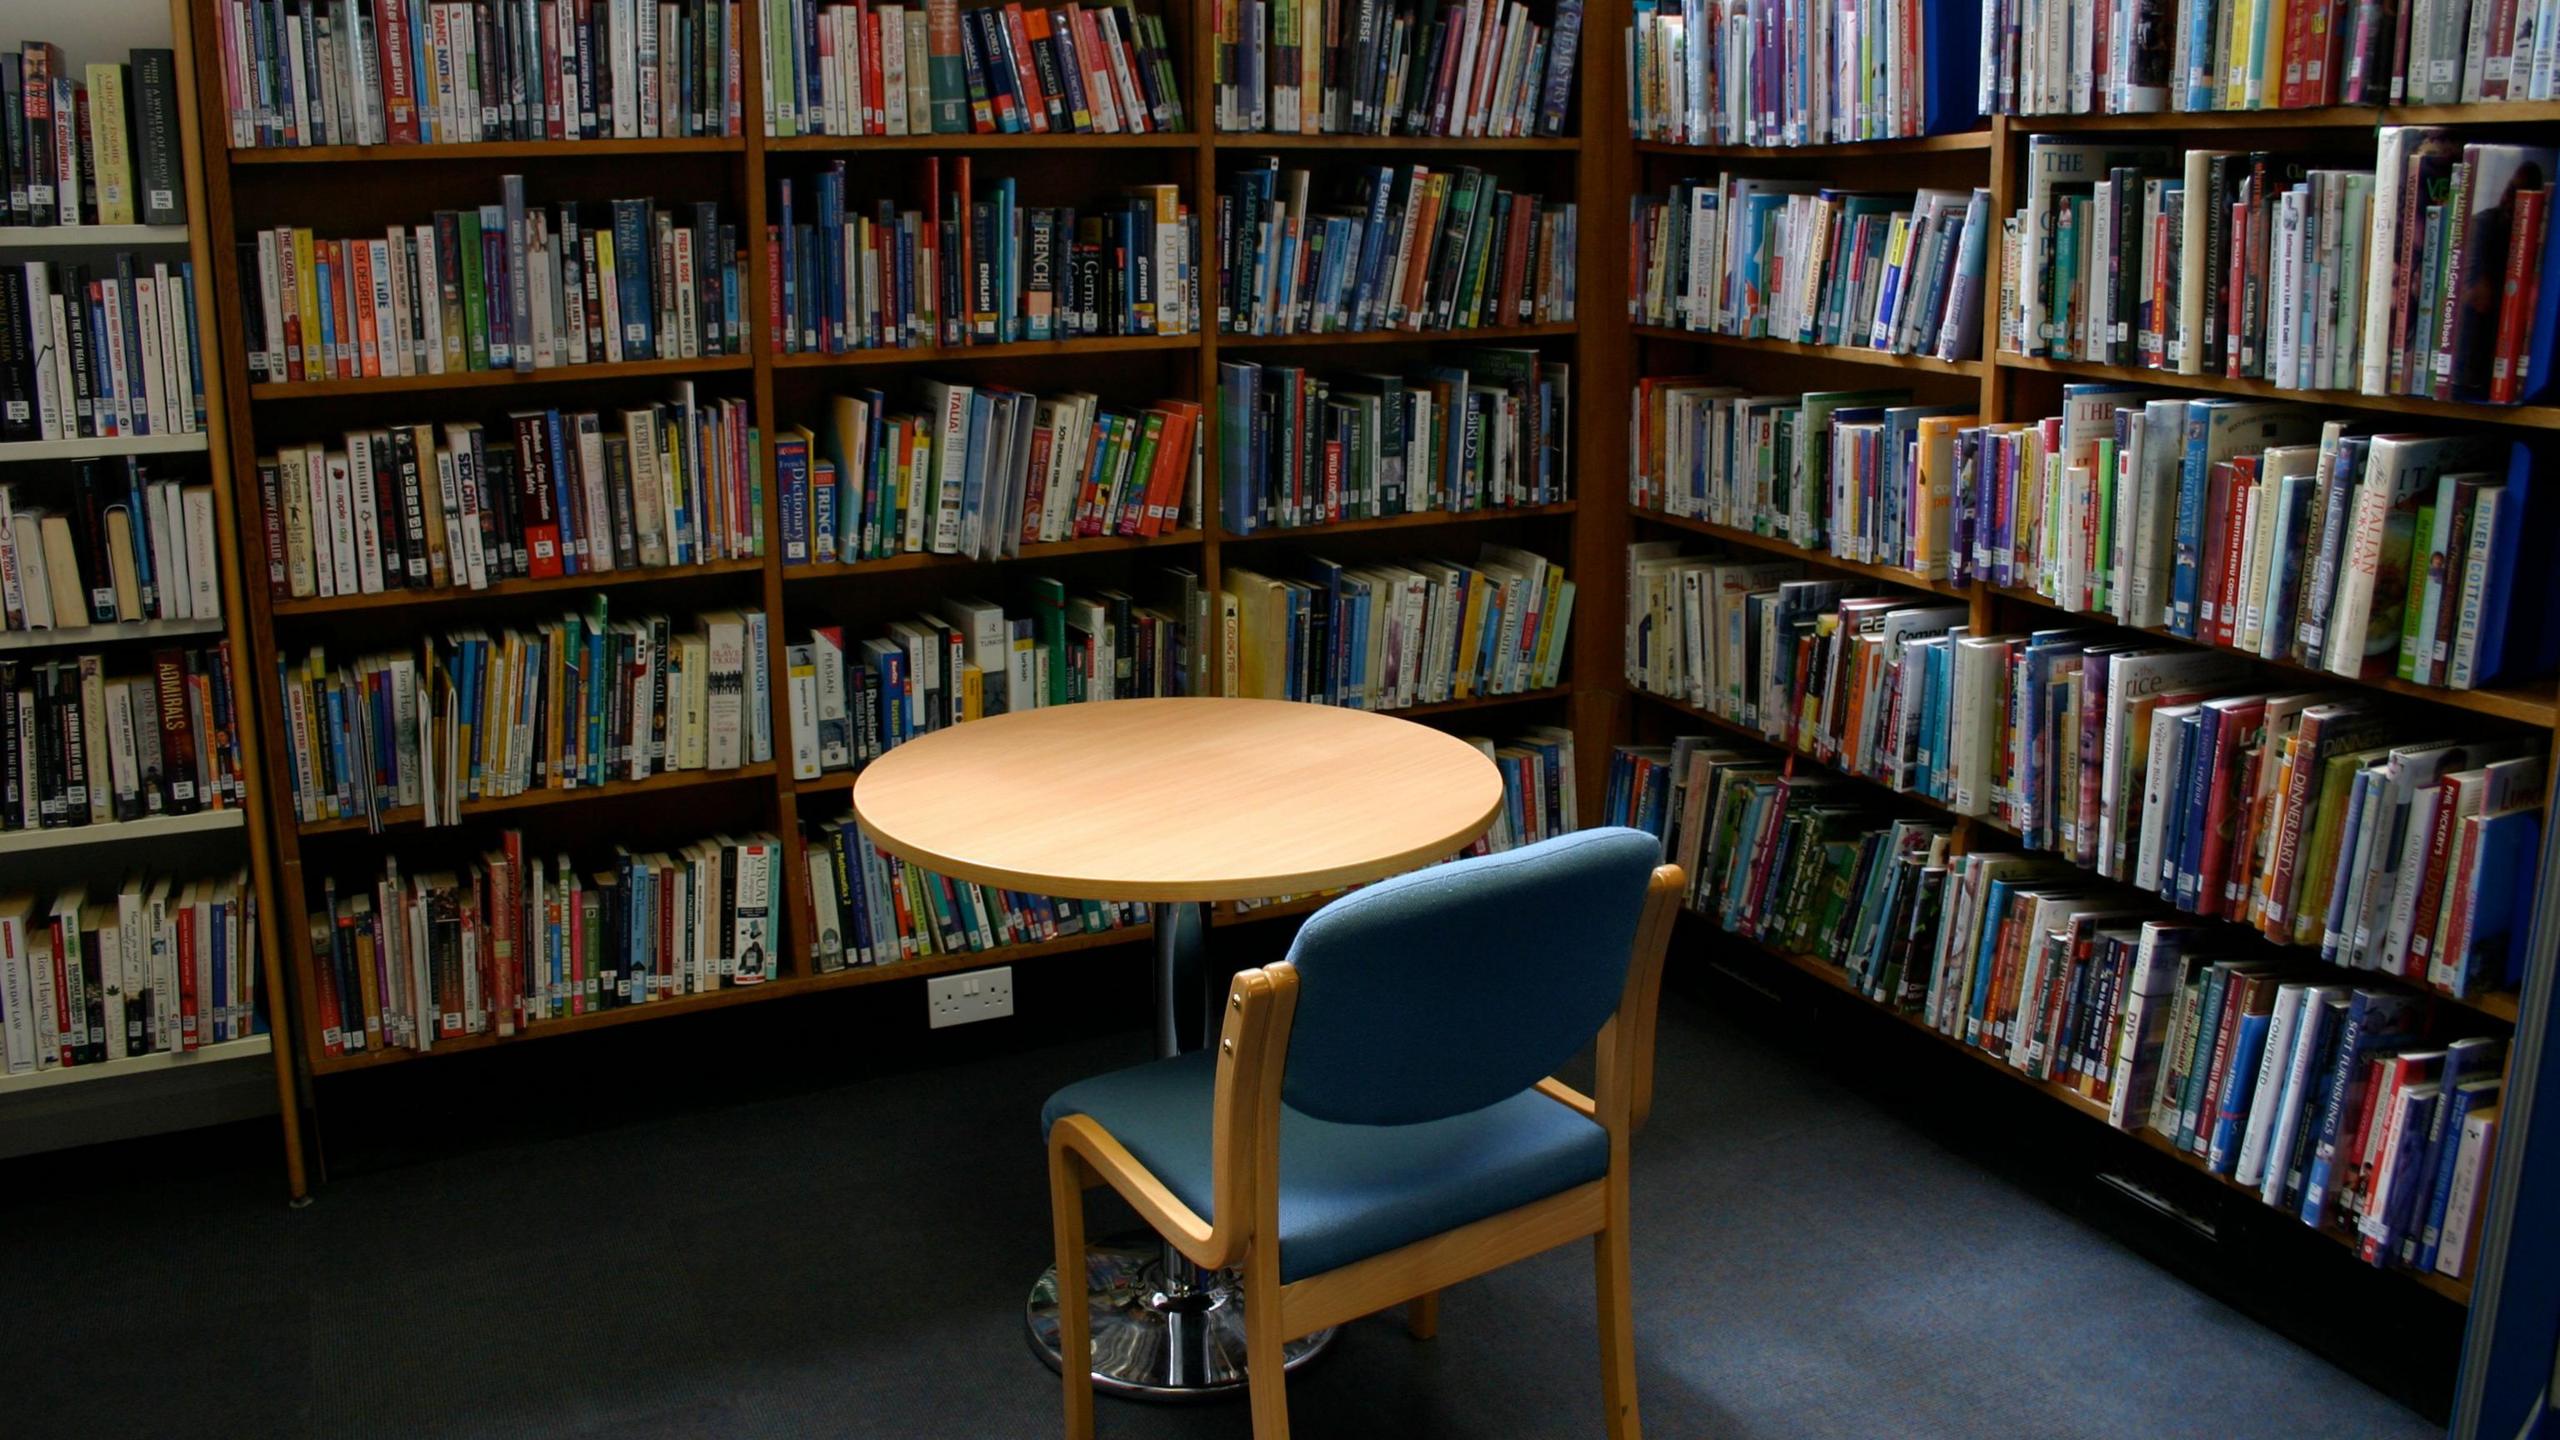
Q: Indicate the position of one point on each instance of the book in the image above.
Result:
(152, 966)
(1331, 67)
(1703, 74)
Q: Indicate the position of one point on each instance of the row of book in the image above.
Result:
(573, 702)
(1800, 72)
(1797, 261)
(87, 741)
(512, 940)
(951, 69)
(500, 287)
(2044, 57)
(1476, 430)
(982, 470)
(872, 908)
(100, 351)
(2249, 525)
(448, 72)
(1388, 637)
(1393, 247)
(92, 146)
(2321, 820)
(2420, 277)
(2339, 1113)
(155, 966)
(121, 548)
(964, 268)
(1479, 68)
(967, 658)
(548, 494)
(2261, 527)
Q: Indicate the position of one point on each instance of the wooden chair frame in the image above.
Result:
(1244, 1193)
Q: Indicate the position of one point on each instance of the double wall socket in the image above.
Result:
(976, 995)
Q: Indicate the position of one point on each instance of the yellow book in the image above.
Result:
(1934, 505)
(306, 276)
(1470, 636)
(110, 145)
(973, 692)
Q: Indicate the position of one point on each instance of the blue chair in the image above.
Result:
(1378, 1120)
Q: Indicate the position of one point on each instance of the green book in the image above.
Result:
(475, 294)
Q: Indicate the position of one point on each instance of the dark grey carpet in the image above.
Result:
(850, 1260)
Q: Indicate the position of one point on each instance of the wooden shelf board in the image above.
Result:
(497, 379)
(945, 354)
(538, 799)
(1889, 574)
(21, 450)
(1420, 520)
(254, 1047)
(1246, 141)
(1956, 143)
(1040, 550)
(2329, 117)
(1852, 354)
(1229, 340)
(2530, 707)
(151, 827)
(568, 586)
(861, 144)
(64, 237)
(250, 157)
(2458, 1291)
(105, 634)
(2535, 416)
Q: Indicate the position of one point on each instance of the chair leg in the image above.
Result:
(1266, 1371)
(1075, 1322)
(1422, 1316)
(1617, 1328)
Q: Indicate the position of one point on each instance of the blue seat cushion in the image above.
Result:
(1348, 1192)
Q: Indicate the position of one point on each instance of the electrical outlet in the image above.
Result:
(977, 995)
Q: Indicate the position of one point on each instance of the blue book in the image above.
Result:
(2459, 1100)
(2469, 1058)
(2375, 1021)
(2236, 1085)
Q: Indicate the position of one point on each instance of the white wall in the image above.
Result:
(87, 30)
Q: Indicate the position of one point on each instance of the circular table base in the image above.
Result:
(1148, 1345)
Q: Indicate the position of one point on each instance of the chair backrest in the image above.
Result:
(1451, 988)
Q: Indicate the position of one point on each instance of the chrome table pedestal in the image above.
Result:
(1163, 1329)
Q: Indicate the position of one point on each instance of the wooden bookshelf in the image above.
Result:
(249, 188)
(2012, 387)
(239, 831)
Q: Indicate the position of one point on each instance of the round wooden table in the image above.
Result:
(1175, 803)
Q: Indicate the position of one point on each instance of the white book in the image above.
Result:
(338, 487)
(203, 577)
(365, 502)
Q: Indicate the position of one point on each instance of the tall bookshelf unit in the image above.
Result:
(359, 188)
(2013, 387)
(195, 843)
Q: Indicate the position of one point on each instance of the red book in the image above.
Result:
(666, 959)
(2237, 732)
(2378, 1071)
(875, 99)
(399, 95)
(2236, 289)
(2300, 80)
(1017, 39)
(2433, 875)
(511, 1014)
(534, 462)
(1167, 488)
(2516, 298)
(2237, 512)
(191, 1026)
(324, 972)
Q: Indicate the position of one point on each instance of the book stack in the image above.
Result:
(981, 471)
(92, 146)
(505, 286)
(578, 701)
(2135, 56)
(1391, 247)
(968, 659)
(2419, 277)
(1728, 72)
(2324, 1099)
(100, 350)
(86, 740)
(445, 72)
(122, 549)
(1387, 637)
(545, 494)
(1796, 261)
(971, 268)
(1476, 430)
(1861, 474)
(873, 908)
(154, 966)
(2260, 527)
(512, 941)
(918, 69)
(1487, 68)
(1539, 799)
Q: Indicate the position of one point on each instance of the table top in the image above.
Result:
(1184, 799)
